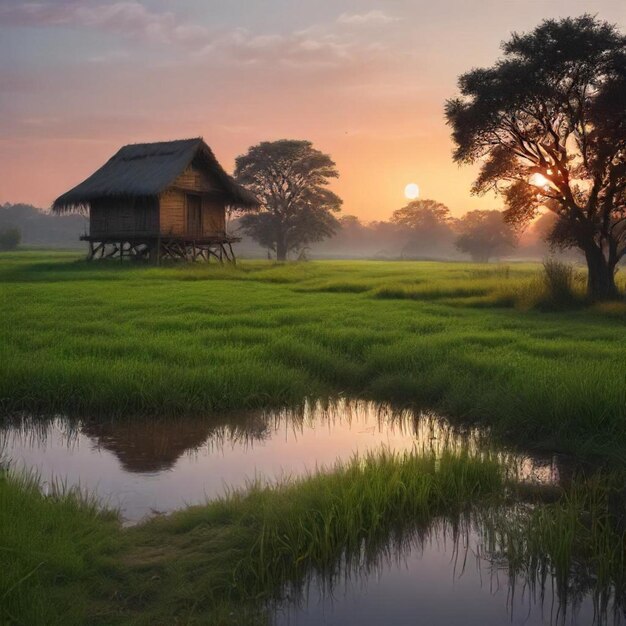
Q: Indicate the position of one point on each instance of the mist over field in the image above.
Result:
(354, 239)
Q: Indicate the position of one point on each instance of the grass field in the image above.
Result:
(466, 339)
(477, 342)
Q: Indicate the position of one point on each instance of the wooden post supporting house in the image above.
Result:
(158, 201)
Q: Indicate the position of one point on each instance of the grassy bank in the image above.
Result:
(121, 339)
(55, 553)
(64, 563)
(230, 561)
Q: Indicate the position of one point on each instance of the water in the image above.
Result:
(442, 576)
(143, 467)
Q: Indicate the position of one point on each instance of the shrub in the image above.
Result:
(9, 238)
(558, 278)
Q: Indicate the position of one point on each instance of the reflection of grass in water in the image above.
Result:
(555, 553)
(148, 445)
(577, 544)
(265, 538)
(227, 561)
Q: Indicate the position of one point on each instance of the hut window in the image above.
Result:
(194, 215)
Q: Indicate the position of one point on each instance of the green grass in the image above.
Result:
(50, 548)
(119, 339)
(255, 542)
(474, 341)
(231, 560)
(221, 563)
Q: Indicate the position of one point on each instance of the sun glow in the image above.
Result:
(411, 191)
(539, 180)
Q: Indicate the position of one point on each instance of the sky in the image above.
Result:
(365, 81)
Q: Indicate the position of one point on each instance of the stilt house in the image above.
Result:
(159, 200)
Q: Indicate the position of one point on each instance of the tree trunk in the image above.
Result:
(601, 276)
(281, 249)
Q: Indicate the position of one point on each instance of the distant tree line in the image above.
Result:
(423, 229)
(298, 215)
(10, 238)
(38, 227)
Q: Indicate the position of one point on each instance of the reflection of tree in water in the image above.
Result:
(154, 445)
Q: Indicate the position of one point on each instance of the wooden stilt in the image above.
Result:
(156, 249)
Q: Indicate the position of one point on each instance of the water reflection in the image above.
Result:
(453, 573)
(149, 446)
(143, 466)
(456, 571)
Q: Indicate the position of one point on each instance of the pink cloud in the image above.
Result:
(128, 18)
(321, 46)
(371, 17)
(300, 48)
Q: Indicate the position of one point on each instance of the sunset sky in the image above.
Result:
(365, 81)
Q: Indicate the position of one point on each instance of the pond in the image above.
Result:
(446, 577)
(143, 467)
(448, 574)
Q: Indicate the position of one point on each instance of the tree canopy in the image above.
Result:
(9, 238)
(428, 225)
(547, 123)
(289, 178)
(484, 234)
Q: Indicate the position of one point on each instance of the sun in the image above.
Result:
(539, 180)
(411, 191)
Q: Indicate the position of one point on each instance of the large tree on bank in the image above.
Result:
(547, 123)
(289, 178)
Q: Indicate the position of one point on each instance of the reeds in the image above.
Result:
(559, 281)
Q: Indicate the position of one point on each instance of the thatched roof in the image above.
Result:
(147, 169)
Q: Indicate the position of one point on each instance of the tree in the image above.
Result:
(351, 231)
(484, 234)
(548, 124)
(427, 222)
(9, 238)
(289, 178)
